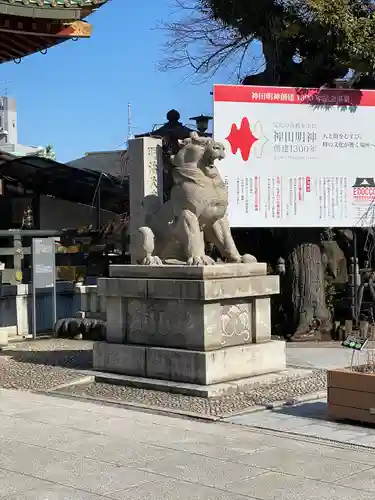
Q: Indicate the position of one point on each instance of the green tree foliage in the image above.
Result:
(305, 42)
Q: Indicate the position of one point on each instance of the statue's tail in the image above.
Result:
(144, 244)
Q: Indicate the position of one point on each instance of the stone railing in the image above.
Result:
(72, 300)
(92, 305)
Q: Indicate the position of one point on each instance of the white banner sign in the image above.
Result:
(297, 157)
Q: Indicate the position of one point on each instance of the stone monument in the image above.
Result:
(176, 320)
(146, 183)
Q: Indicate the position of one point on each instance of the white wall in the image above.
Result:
(20, 148)
(61, 214)
(10, 120)
(9, 142)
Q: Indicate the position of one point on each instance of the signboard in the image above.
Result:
(44, 273)
(43, 252)
(297, 157)
(354, 342)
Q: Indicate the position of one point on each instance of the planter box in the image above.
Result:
(351, 395)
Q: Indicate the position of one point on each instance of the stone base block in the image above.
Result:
(195, 367)
(202, 391)
(194, 308)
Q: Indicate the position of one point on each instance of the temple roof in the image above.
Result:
(28, 26)
(53, 4)
(46, 176)
(110, 162)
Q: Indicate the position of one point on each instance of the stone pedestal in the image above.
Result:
(189, 325)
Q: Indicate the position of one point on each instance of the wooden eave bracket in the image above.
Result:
(76, 29)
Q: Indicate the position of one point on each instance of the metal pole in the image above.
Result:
(355, 279)
(98, 206)
(54, 301)
(33, 291)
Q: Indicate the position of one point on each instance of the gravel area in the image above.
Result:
(45, 364)
(220, 406)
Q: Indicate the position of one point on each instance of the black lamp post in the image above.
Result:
(201, 122)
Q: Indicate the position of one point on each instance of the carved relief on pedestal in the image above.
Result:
(162, 323)
(235, 324)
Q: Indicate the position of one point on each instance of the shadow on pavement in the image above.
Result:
(316, 410)
(313, 409)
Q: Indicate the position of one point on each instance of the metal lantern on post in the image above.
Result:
(201, 122)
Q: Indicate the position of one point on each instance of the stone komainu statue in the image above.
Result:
(175, 231)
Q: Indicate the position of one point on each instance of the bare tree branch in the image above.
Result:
(204, 45)
(325, 38)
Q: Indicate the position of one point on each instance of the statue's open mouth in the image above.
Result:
(213, 158)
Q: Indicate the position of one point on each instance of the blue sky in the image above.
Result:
(76, 95)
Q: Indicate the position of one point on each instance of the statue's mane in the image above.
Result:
(190, 163)
(191, 150)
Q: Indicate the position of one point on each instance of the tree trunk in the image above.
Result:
(271, 74)
(304, 290)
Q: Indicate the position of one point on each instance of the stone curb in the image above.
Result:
(127, 404)
(88, 379)
(278, 404)
(312, 439)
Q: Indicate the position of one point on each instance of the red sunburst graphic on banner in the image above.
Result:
(242, 139)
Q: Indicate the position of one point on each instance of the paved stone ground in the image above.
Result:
(45, 364)
(326, 355)
(59, 449)
(309, 419)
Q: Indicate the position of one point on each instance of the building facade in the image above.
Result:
(9, 129)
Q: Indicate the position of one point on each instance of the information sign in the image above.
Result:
(297, 157)
(354, 342)
(43, 273)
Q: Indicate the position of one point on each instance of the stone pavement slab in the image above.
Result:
(167, 488)
(325, 355)
(55, 492)
(300, 464)
(308, 419)
(61, 449)
(276, 486)
(366, 480)
(12, 483)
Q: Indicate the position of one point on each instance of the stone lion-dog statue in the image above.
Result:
(176, 231)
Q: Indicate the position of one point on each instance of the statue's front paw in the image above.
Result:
(194, 261)
(238, 259)
(248, 259)
(207, 261)
(234, 259)
(152, 260)
(204, 260)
